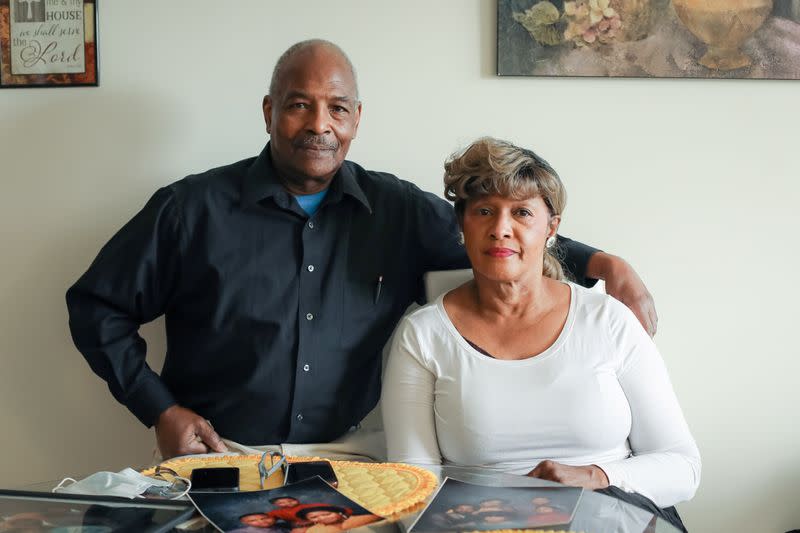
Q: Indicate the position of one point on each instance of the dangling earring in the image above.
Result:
(551, 240)
(461, 238)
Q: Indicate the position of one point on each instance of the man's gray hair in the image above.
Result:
(280, 66)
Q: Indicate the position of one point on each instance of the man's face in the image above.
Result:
(312, 119)
(257, 520)
(285, 502)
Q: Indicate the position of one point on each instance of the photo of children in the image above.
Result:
(310, 506)
(460, 506)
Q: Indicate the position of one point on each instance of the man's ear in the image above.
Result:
(358, 119)
(266, 106)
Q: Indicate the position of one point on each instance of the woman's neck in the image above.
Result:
(519, 299)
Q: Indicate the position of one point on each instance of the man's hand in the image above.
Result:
(589, 477)
(624, 284)
(181, 431)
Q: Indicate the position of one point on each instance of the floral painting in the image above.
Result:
(649, 38)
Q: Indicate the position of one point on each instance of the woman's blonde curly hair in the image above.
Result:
(491, 166)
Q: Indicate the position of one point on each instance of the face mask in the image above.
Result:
(127, 483)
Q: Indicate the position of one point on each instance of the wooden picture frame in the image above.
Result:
(48, 43)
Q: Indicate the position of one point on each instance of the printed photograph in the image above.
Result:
(310, 506)
(460, 506)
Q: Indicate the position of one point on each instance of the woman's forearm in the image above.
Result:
(665, 462)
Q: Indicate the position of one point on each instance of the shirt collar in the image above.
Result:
(346, 181)
(261, 182)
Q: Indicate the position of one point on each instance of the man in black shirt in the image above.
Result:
(281, 277)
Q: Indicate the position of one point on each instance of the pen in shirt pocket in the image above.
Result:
(378, 286)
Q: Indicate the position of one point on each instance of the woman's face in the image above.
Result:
(325, 517)
(505, 238)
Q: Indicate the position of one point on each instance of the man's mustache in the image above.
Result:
(318, 142)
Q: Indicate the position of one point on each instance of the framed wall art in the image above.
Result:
(48, 43)
(649, 38)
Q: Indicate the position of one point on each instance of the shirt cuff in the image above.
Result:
(149, 400)
(575, 259)
(615, 472)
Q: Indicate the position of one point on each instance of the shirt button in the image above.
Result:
(300, 416)
(306, 368)
(311, 268)
(310, 225)
(309, 316)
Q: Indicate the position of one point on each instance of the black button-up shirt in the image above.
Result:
(275, 320)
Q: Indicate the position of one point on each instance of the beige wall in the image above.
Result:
(694, 181)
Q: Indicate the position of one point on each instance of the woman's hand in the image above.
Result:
(589, 477)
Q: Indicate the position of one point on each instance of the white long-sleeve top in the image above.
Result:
(600, 394)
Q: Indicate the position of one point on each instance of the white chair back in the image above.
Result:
(439, 282)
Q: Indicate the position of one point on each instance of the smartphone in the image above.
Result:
(222, 479)
(305, 470)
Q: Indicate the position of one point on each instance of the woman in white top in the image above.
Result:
(522, 372)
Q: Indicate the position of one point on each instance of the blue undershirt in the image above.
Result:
(310, 202)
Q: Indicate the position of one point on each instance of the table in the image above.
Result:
(596, 513)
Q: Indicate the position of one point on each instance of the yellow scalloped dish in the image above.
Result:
(386, 489)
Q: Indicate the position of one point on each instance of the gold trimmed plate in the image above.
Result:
(386, 489)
